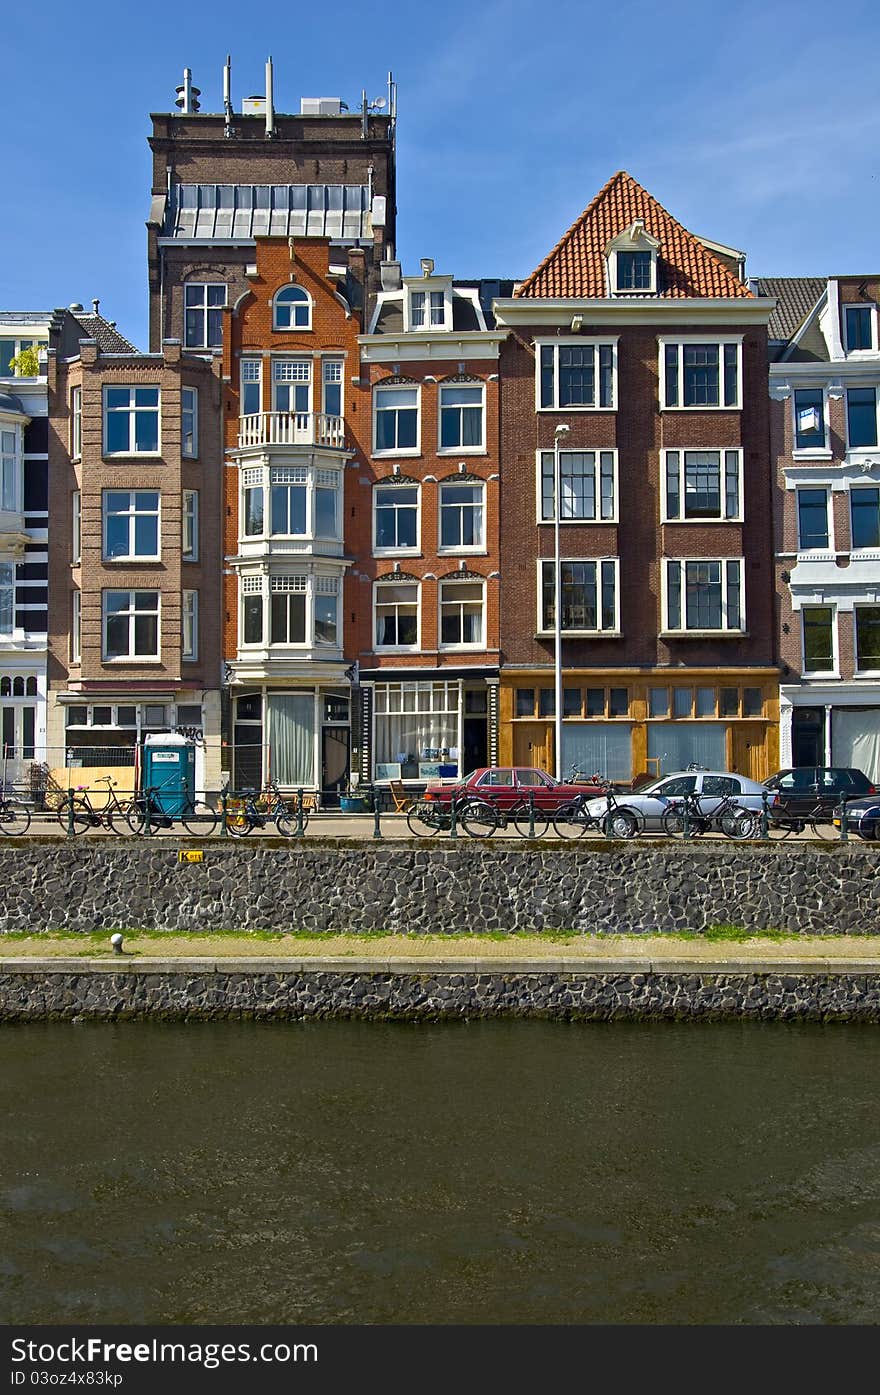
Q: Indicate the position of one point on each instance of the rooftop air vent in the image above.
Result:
(321, 106)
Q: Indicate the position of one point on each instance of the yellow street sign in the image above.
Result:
(190, 855)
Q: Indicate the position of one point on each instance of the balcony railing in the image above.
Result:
(292, 429)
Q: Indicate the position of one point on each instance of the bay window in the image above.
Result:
(587, 485)
(588, 594)
(303, 502)
(287, 609)
(704, 594)
(7, 597)
(700, 375)
(9, 490)
(577, 375)
(303, 610)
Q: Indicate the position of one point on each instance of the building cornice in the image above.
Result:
(451, 344)
(525, 311)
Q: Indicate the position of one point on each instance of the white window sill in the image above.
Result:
(396, 649)
(461, 450)
(822, 674)
(461, 648)
(704, 634)
(818, 554)
(577, 522)
(718, 407)
(692, 521)
(128, 561)
(397, 552)
(557, 411)
(865, 554)
(581, 634)
(866, 673)
(464, 551)
(861, 455)
(805, 453)
(132, 455)
(132, 661)
(395, 455)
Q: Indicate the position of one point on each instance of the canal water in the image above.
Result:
(496, 1172)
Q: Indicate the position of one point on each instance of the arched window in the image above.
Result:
(293, 308)
(5, 687)
(32, 687)
(18, 687)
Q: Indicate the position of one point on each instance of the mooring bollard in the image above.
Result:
(300, 828)
(609, 831)
(453, 810)
(841, 810)
(765, 817)
(377, 824)
(224, 811)
(531, 813)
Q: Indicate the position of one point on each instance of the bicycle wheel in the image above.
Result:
(521, 822)
(673, 821)
(239, 822)
(739, 823)
(426, 818)
(822, 827)
(571, 822)
(479, 819)
(286, 822)
(15, 819)
(200, 819)
(83, 818)
(138, 814)
(624, 823)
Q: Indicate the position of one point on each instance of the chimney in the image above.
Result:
(95, 304)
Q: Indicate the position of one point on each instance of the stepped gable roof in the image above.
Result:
(796, 298)
(576, 266)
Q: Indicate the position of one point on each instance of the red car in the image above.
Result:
(507, 785)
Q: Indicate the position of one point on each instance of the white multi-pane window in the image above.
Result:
(331, 386)
(252, 606)
(190, 624)
(189, 434)
(203, 304)
(131, 524)
(588, 593)
(251, 386)
(396, 419)
(303, 610)
(76, 526)
(131, 420)
(293, 308)
(131, 625)
(303, 502)
(7, 597)
(427, 310)
(287, 609)
(253, 497)
(700, 374)
(326, 602)
(396, 518)
(462, 610)
(587, 485)
(702, 484)
(292, 384)
(576, 375)
(9, 490)
(288, 493)
(462, 517)
(415, 721)
(462, 417)
(76, 627)
(76, 423)
(397, 614)
(704, 594)
(326, 504)
(190, 521)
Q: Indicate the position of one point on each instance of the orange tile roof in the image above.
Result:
(576, 266)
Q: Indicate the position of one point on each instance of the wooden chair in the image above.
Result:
(402, 801)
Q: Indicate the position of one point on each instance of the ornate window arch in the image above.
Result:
(292, 308)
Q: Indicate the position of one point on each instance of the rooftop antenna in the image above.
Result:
(367, 108)
(187, 95)
(227, 95)
(270, 102)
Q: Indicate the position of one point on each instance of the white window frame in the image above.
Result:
(821, 673)
(205, 308)
(456, 549)
(597, 453)
(829, 548)
(452, 583)
(427, 286)
(76, 526)
(873, 549)
(613, 633)
(382, 583)
(250, 361)
(858, 387)
(683, 562)
(7, 570)
(190, 626)
(810, 452)
(132, 513)
(189, 539)
(397, 450)
(336, 363)
(579, 342)
(307, 302)
(859, 305)
(130, 657)
(858, 670)
(76, 627)
(246, 589)
(397, 551)
(617, 290)
(715, 341)
(76, 423)
(722, 453)
(293, 383)
(316, 477)
(479, 449)
(131, 410)
(12, 460)
(193, 394)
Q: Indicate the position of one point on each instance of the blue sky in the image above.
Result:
(757, 124)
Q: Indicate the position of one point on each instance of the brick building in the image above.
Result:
(825, 420)
(134, 575)
(425, 529)
(646, 343)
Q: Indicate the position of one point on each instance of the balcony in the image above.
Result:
(292, 429)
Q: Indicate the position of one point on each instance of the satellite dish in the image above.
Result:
(379, 102)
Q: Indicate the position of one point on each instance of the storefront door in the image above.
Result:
(334, 764)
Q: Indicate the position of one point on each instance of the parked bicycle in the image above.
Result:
(818, 820)
(574, 820)
(249, 810)
(77, 812)
(477, 817)
(727, 817)
(15, 817)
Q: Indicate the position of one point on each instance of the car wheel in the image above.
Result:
(623, 823)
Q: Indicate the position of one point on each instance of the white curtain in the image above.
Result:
(292, 738)
(603, 748)
(855, 739)
(678, 744)
(412, 732)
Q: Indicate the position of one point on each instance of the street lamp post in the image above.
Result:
(559, 435)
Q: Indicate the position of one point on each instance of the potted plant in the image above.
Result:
(352, 802)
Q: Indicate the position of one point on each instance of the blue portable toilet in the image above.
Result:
(170, 772)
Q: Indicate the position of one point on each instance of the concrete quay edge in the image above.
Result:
(431, 967)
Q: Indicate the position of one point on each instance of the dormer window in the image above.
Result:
(293, 308)
(428, 302)
(427, 310)
(860, 324)
(632, 262)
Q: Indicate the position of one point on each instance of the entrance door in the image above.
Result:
(747, 746)
(475, 739)
(808, 736)
(533, 745)
(334, 764)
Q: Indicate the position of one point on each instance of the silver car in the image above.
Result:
(649, 804)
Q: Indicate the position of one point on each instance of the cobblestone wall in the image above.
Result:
(78, 996)
(445, 887)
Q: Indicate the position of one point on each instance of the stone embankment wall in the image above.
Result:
(182, 991)
(445, 887)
